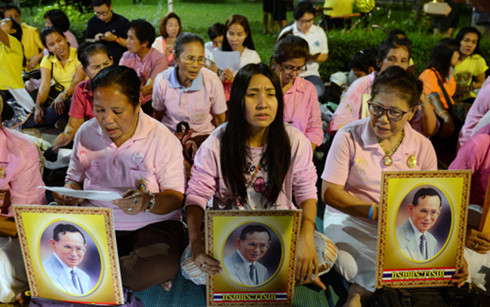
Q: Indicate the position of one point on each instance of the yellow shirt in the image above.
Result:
(62, 75)
(31, 41)
(465, 71)
(11, 67)
(339, 7)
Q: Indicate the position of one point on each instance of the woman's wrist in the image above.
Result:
(373, 212)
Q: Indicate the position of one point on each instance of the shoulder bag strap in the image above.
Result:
(449, 101)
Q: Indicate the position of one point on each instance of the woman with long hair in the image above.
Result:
(254, 161)
(170, 27)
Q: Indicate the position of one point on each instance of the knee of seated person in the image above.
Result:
(144, 278)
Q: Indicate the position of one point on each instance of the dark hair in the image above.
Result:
(144, 31)
(395, 33)
(59, 19)
(183, 39)
(364, 59)
(459, 37)
(63, 229)
(243, 21)
(405, 84)
(303, 7)
(86, 50)
(48, 30)
(124, 78)
(7, 7)
(101, 2)
(440, 58)
(250, 229)
(393, 43)
(290, 47)
(18, 30)
(422, 193)
(215, 30)
(163, 24)
(234, 150)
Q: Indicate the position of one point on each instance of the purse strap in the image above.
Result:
(449, 101)
(56, 83)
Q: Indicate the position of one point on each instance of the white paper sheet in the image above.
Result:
(227, 59)
(23, 98)
(85, 194)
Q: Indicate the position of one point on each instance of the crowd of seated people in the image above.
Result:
(127, 93)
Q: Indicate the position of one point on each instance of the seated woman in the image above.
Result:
(353, 105)
(94, 57)
(254, 161)
(124, 150)
(145, 60)
(11, 56)
(301, 108)
(188, 92)
(469, 72)
(478, 109)
(362, 63)
(238, 37)
(62, 66)
(58, 19)
(19, 179)
(352, 176)
(170, 27)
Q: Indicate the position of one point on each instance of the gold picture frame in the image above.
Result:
(277, 264)
(99, 281)
(432, 262)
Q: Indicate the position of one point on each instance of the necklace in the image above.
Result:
(387, 160)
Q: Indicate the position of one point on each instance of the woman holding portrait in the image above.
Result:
(125, 151)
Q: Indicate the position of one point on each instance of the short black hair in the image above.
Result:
(144, 31)
(101, 2)
(364, 59)
(183, 39)
(85, 50)
(399, 81)
(123, 78)
(250, 229)
(215, 30)
(422, 193)
(63, 229)
(7, 7)
(59, 19)
(303, 7)
(48, 30)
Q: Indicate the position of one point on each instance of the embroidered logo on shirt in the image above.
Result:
(138, 157)
(141, 185)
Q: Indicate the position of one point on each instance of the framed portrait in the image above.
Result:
(70, 253)
(421, 227)
(485, 217)
(257, 252)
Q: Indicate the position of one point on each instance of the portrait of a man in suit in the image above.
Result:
(413, 236)
(69, 246)
(243, 265)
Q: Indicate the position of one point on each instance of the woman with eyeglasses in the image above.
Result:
(360, 152)
(301, 108)
(188, 92)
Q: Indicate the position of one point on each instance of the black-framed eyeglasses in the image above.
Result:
(292, 69)
(394, 115)
(102, 14)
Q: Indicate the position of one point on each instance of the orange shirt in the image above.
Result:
(431, 86)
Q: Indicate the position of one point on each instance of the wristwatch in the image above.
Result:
(151, 204)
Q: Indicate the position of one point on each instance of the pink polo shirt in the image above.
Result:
(475, 156)
(301, 109)
(478, 109)
(19, 170)
(207, 180)
(82, 101)
(194, 105)
(355, 158)
(152, 64)
(153, 154)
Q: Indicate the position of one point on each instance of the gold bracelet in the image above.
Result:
(442, 112)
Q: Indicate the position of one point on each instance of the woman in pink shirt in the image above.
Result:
(145, 60)
(360, 152)
(126, 151)
(170, 27)
(301, 108)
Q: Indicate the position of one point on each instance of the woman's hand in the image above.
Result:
(39, 114)
(307, 261)
(61, 140)
(59, 103)
(67, 200)
(206, 263)
(478, 241)
(459, 279)
(133, 202)
(227, 75)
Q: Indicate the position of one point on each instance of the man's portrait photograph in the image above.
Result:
(252, 254)
(423, 223)
(69, 258)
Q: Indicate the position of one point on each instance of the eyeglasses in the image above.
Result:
(306, 21)
(292, 69)
(189, 60)
(394, 115)
(425, 212)
(102, 14)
